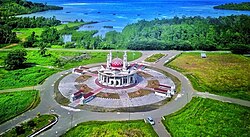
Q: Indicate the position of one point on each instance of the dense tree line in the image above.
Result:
(6, 35)
(17, 7)
(29, 22)
(85, 39)
(234, 6)
(186, 33)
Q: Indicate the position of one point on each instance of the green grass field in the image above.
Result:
(219, 73)
(15, 103)
(206, 117)
(112, 129)
(29, 127)
(35, 75)
(154, 57)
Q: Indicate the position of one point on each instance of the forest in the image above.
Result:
(234, 6)
(186, 33)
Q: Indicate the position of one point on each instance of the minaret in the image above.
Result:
(108, 61)
(110, 56)
(125, 60)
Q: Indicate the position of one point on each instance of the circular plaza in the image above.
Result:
(115, 85)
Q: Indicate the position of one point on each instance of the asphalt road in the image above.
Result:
(69, 117)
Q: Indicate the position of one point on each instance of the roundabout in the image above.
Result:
(116, 86)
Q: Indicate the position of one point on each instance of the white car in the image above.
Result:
(150, 120)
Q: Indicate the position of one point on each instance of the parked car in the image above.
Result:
(150, 120)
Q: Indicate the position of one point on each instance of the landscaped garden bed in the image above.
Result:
(31, 126)
(145, 75)
(153, 84)
(136, 128)
(108, 95)
(139, 93)
(82, 78)
(154, 57)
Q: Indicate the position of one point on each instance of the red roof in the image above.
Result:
(88, 95)
(165, 86)
(78, 93)
(117, 62)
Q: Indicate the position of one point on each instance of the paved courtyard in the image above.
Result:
(68, 86)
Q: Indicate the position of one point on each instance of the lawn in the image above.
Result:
(29, 127)
(219, 73)
(206, 117)
(15, 103)
(112, 129)
(154, 57)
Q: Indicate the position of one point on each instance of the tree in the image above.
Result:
(50, 35)
(30, 40)
(42, 49)
(15, 59)
(19, 130)
(31, 123)
(240, 49)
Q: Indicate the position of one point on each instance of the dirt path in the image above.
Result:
(10, 46)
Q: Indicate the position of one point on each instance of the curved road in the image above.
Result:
(68, 118)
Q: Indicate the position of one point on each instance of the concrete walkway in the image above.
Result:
(160, 128)
(223, 99)
(19, 89)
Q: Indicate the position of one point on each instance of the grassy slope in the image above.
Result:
(40, 122)
(15, 103)
(24, 77)
(224, 74)
(114, 128)
(206, 117)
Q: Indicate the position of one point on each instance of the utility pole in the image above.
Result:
(71, 119)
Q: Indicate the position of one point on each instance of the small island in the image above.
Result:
(234, 6)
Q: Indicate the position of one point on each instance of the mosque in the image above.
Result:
(117, 72)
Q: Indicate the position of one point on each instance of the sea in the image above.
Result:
(116, 14)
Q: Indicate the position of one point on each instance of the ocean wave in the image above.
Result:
(80, 4)
(121, 17)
